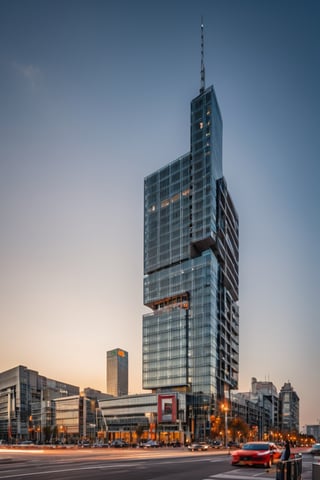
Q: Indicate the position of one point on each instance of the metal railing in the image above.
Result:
(290, 469)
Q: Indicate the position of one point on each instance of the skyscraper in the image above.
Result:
(117, 372)
(191, 254)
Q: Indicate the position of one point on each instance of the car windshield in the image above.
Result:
(256, 446)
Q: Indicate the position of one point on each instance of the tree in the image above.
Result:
(47, 433)
(139, 431)
(238, 428)
(215, 426)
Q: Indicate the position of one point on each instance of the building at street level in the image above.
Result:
(27, 403)
(117, 372)
(191, 274)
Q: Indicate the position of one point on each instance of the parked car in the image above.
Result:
(256, 453)
(85, 444)
(315, 449)
(100, 445)
(233, 444)
(198, 446)
(119, 444)
(151, 444)
(204, 446)
(194, 446)
(216, 444)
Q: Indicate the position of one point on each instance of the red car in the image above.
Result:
(256, 453)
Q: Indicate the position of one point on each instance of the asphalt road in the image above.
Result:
(119, 464)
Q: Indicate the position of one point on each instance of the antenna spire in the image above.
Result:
(202, 85)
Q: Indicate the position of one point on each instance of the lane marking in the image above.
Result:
(63, 470)
(238, 477)
(236, 474)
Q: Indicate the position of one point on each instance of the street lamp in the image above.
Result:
(224, 408)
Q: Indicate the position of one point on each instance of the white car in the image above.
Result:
(315, 449)
(198, 446)
(151, 444)
(204, 445)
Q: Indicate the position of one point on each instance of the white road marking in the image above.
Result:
(62, 470)
(238, 475)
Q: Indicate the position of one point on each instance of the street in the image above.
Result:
(124, 464)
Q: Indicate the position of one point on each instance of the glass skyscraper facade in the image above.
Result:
(191, 254)
(117, 372)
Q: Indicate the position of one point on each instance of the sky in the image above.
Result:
(94, 96)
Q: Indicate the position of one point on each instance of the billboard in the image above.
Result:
(167, 408)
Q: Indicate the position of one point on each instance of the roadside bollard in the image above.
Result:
(316, 471)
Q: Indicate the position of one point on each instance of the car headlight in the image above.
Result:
(260, 454)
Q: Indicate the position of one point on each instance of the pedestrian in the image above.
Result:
(286, 452)
(284, 467)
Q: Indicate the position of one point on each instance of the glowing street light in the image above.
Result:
(224, 407)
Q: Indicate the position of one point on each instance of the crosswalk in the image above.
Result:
(239, 475)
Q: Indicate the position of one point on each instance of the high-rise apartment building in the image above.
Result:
(117, 372)
(289, 409)
(191, 254)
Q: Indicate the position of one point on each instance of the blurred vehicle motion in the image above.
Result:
(256, 453)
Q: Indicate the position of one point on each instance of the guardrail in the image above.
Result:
(290, 469)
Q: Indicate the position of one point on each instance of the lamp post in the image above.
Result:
(224, 407)
(62, 434)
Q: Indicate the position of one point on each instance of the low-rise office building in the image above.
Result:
(26, 408)
(313, 431)
(259, 408)
(77, 418)
(176, 417)
(160, 417)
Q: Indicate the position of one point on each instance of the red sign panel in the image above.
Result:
(167, 408)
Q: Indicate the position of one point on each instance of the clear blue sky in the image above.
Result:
(94, 96)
